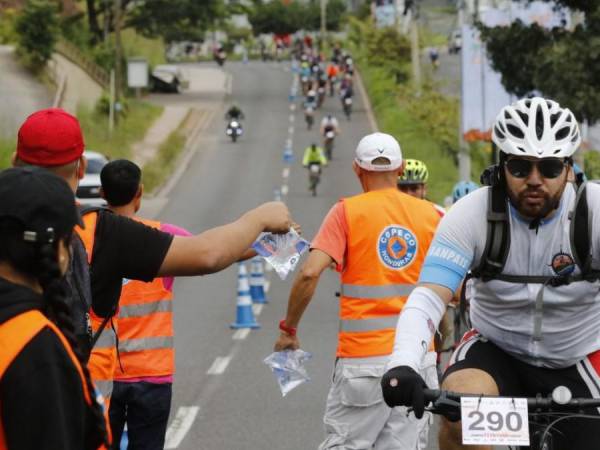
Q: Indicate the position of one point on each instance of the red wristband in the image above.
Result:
(289, 330)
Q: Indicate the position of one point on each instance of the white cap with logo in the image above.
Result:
(378, 145)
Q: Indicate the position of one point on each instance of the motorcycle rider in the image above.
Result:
(234, 113)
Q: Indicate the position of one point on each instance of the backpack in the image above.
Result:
(498, 241)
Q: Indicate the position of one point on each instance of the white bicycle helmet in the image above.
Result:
(536, 127)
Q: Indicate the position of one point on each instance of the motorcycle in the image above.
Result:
(329, 137)
(309, 116)
(347, 105)
(314, 177)
(220, 58)
(234, 130)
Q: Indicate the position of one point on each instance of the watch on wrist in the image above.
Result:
(289, 330)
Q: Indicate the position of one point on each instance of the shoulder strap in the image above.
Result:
(498, 235)
(580, 230)
(16, 333)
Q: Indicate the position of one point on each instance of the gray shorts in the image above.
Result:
(357, 418)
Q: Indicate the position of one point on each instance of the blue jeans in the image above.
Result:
(145, 408)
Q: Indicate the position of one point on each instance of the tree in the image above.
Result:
(37, 32)
(559, 63)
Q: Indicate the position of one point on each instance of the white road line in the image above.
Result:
(291, 130)
(293, 107)
(284, 189)
(241, 334)
(288, 143)
(219, 365)
(292, 118)
(286, 172)
(180, 425)
(257, 309)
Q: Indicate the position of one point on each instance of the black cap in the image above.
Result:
(42, 201)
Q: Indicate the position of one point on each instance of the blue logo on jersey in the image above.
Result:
(397, 247)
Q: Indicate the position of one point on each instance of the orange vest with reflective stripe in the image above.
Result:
(103, 358)
(16, 333)
(389, 234)
(145, 327)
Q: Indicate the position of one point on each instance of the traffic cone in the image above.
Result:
(257, 282)
(244, 317)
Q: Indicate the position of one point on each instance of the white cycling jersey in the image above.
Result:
(330, 122)
(504, 312)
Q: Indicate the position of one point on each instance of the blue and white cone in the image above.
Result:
(244, 316)
(257, 282)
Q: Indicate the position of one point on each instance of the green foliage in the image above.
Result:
(7, 26)
(562, 64)
(7, 148)
(37, 30)
(592, 164)
(281, 18)
(175, 20)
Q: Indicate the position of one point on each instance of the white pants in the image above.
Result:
(357, 418)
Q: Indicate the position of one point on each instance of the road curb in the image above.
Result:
(366, 101)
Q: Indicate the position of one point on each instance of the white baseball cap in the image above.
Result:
(378, 145)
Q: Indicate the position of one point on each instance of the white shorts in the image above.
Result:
(357, 418)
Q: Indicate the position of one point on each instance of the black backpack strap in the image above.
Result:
(580, 230)
(498, 235)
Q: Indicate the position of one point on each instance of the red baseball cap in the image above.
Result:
(50, 137)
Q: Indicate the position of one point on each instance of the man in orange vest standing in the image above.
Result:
(378, 240)
(143, 378)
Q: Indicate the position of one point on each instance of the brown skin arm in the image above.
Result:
(300, 296)
(218, 248)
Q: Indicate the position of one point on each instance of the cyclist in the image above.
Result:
(329, 123)
(463, 188)
(413, 181)
(534, 304)
(313, 154)
(234, 113)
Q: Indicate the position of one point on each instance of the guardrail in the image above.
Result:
(75, 55)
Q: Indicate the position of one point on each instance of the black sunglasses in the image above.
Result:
(548, 167)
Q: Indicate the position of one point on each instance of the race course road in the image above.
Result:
(225, 398)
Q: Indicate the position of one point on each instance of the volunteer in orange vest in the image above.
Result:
(144, 374)
(111, 247)
(47, 400)
(378, 240)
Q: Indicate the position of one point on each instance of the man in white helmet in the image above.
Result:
(535, 305)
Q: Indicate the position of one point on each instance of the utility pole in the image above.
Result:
(415, 54)
(118, 52)
(323, 22)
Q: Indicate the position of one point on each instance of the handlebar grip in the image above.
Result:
(431, 395)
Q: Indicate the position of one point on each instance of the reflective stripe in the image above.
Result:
(374, 292)
(105, 387)
(145, 309)
(150, 343)
(107, 339)
(380, 323)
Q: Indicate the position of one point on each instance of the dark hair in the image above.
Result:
(120, 181)
(40, 261)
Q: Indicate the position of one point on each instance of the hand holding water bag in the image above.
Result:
(288, 367)
(281, 251)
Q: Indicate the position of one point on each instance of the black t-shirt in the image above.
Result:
(123, 248)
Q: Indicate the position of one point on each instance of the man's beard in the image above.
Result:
(544, 205)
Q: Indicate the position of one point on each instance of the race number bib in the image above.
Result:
(494, 421)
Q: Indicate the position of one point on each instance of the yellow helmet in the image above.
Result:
(415, 172)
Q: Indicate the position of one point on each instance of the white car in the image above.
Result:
(168, 78)
(88, 191)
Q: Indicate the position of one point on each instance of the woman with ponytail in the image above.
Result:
(47, 400)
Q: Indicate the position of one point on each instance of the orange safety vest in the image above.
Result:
(145, 327)
(16, 333)
(103, 358)
(389, 234)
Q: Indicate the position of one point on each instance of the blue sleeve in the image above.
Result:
(445, 264)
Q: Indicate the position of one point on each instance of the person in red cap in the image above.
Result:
(113, 247)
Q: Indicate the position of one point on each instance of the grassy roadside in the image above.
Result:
(131, 129)
(418, 134)
(7, 148)
(156, 171)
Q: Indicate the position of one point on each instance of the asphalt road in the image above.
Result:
(20, 92)
(239, 406)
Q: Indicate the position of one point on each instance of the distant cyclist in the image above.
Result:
(313, 154)
(329, 123)
(234, 113)
(413, 181)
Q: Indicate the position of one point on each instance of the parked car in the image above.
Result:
(454, 41)
(168, 78)
(88, 191)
